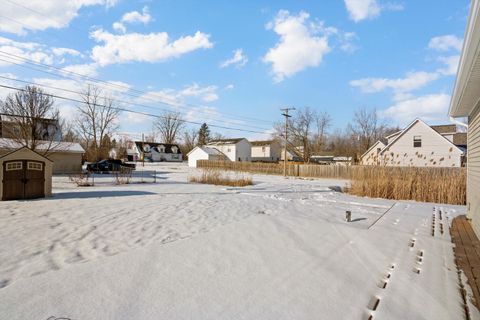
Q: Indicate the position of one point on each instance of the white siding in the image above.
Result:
(227, 149)
(243, 151)
(268, 152)
(435, 150)
(473, 169)
(371, 157)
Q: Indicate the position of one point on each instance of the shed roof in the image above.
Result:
(207, 150)
(460, 139)
(55, 146)
(24, 148)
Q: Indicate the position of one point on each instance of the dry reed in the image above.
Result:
(441, 185)
(216, 177)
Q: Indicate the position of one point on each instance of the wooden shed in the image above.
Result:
(25, 174)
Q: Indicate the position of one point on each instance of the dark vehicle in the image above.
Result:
(109, 166)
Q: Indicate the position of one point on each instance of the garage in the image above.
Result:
(25, 174)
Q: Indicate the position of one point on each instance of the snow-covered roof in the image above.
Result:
(207, 150)
(226, 141)
(54, 146)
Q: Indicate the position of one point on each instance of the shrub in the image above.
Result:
(81, 180)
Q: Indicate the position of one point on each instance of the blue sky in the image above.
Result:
(237, 64)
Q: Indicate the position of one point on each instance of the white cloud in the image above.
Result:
(132, 17)
(65, 51)
(26, 50)
(207, 94)
(299, 46)
(446, 43)
(362, 9)
(359, 10)
(238, 59)
(152, 47)
(431, 107)
(451, 65)
(412, 81)
(137, 17)
(43, 14)
(119, 27)
(229, 87)
(87, 69)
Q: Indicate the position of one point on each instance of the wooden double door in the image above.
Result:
(23, 179)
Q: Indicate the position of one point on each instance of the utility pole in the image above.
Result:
(286, 115)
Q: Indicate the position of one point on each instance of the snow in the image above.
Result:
(279, 249)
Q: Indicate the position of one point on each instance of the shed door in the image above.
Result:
(23, 179)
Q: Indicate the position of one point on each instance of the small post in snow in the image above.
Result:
(348, 216)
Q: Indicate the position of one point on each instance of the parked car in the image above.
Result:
(109, 165)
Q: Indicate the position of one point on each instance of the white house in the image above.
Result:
(268, 151)
(204, 153)
(420, 145)
(465, 104)
(371, 156)
(238, 149)
(155, 152)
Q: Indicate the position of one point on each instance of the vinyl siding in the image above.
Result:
(473, 169)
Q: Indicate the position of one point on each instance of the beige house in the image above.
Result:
(66, 156)
(238, 149)
(465, 105)
(371, 156)
(25, 174)
(267, 151)
(419, 145)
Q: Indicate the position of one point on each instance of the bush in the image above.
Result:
(81, 180)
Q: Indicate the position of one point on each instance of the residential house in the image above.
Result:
(266, 151)
(371, 156)
(204, 153)
(464, 105)
(66, 156)
(293, 154)
(328, 158)
(418, 145)
(238, 149)
(154, 152)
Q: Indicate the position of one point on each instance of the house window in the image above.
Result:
(263, 149)
(417, 141)
(11, 166)
(228, 150)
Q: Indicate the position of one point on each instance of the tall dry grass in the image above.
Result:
(219, 178)
(441, 185)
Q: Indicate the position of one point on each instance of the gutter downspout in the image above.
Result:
(460, 123)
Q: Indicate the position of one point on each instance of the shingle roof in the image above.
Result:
(55, 146)
(445, 128)
(460, 139)
(262, 142)
(168, 146)
(225, 141)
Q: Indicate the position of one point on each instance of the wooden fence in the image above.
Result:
(441, 185)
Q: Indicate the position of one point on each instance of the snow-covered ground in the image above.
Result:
(280, 249)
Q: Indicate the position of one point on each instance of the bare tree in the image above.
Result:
(323, 121)
(190, 140)
(366, 128)
(169, 126)
(96, 120)
(31, 120)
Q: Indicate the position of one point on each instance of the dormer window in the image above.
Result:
(417, 141)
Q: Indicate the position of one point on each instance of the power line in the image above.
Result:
(140, 94)
(118, 100)
(131, 111)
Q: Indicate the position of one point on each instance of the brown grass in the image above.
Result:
(441, 185)
(218, 178)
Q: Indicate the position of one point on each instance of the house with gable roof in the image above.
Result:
(419, 145)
